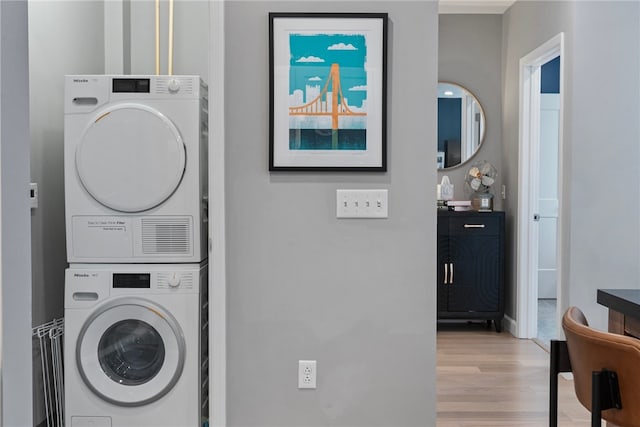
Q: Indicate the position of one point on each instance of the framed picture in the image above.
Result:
(328, 91)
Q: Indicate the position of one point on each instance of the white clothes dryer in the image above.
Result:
(135, 345)
(135, 154)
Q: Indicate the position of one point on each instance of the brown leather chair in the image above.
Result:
(606, 371)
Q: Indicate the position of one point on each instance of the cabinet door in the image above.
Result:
(443, 262)
(476, 282)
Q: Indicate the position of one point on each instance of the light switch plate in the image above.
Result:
(362, 203)
(33, 195)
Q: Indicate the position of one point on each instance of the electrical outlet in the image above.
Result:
(307, 370)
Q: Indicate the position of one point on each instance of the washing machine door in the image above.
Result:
(130, 352)
(130, 157)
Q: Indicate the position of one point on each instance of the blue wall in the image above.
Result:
(450, 128)
(550, 82)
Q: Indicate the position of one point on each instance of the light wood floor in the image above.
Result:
(486, 378)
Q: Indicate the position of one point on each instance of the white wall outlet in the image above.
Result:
(307, 370)
(362, 203)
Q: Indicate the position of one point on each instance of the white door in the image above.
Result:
(548, 195)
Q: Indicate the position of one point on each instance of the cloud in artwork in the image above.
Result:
(310, 59)
(362, 88)
(342, 46)
(315, 79)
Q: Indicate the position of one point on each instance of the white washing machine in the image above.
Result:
(136, 345)
(135, 154)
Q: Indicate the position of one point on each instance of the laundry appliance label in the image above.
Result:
(114, 234)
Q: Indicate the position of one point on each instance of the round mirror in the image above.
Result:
(461, 125)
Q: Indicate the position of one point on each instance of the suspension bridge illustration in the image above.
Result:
(320, 106)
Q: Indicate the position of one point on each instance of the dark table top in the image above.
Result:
(625, 301)
(442, 212)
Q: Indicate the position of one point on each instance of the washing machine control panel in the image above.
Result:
(91, 283)
(131, 280)
(131, 85)
(158, 280)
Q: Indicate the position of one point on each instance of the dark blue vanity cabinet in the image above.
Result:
(471, 266)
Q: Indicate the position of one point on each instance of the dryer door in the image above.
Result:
(130, 352)
(130, 158)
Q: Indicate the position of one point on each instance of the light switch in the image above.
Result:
(33, 195)
(362, 203)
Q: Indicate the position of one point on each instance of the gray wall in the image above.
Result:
(601, 134)
(190, 37)
(469, 53)
(15, 263)
(605, 136)
(358, 296)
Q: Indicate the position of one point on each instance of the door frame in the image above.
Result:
(528, 187)
(16, 342)
(217, 219)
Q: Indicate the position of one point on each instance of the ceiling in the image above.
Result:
(474, 6)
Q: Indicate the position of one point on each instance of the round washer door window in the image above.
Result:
(130, 352)
(130, 158)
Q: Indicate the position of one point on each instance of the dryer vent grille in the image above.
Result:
(166, 236)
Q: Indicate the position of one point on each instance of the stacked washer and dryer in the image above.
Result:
(136, 335)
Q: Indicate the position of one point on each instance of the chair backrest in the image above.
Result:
(593, 350)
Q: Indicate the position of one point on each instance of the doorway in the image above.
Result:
(540, 188)
(548, 202)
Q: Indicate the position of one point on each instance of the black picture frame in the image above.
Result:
(328, 91)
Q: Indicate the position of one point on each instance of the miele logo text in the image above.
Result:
(80, 81)
(80, 275)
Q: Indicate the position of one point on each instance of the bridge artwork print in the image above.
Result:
(327, 91)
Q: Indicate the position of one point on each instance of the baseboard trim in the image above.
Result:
(510, 325)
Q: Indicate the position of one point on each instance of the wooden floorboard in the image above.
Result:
(486, 378)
